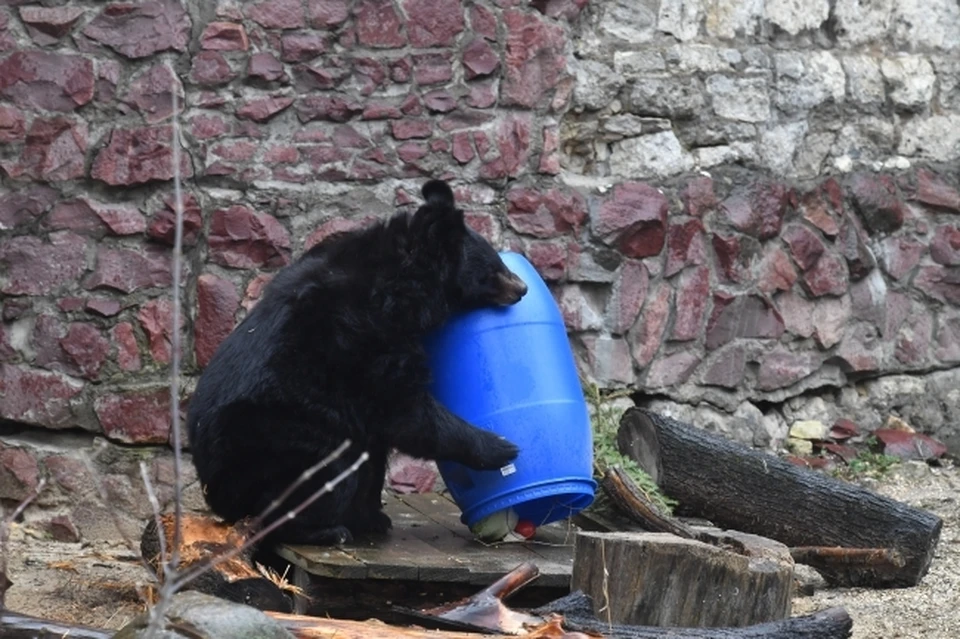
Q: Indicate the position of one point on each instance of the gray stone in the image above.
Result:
(733, 18)
(948, 73)
(667, 97)
(743, 99)
(657, 155)
(864, 80)
(910, 79)
(862, 22)
(794, 16)
(813, 152)
(867, 140)
(624, 125)
(807, 80)
(779, 145)
(680, 18)
(933, 24)
(630, 63)
(692, 58)
(597, 85)
(630, 20)
(935, 138)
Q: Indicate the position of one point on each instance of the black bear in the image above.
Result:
(333, 351)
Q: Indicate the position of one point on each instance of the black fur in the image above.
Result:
(333, 351)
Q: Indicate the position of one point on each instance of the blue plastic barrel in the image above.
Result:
(511, 370)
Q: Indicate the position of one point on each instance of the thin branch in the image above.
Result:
(171, 565)
(155, 506)
(5, 582)
(327, 487)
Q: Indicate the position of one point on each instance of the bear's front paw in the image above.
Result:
(495, 452)
(380, 522)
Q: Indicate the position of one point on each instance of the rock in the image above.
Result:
(150, 93)
(921, 25)
(432, 68)
(909, 445)
(210, 68)
(945, 245)
(135, 417)
(627, 296)
(323, 14)
(633, 218)
(811, 429)
(35, 267)
(910, 81)
(730, 18)
(46, 25)
(20, 208)
(156, 319)
(19, 473)
(608, 358)
(805, 246)
(549, 259)
(698, 196)
(741, 99)
(865, 80)
(675, 98)
(780, 368)
(647, 333)
(732, 256)
(830, 316)
(47, 81)
(799, 446)
(55, 151)
(545, 213)
(241, 238)
(758, 211)
(860, 350)
(432, 23)
(914, 337)
(807, 80)
(85, 215)
(933, 191)
(679, 18)
(658, 154)
(672, 370)
(277, 14)
(948, 338)
(794, 18)
(265, 66)
(217, 304)
(128, 351)
(322, 107)
(378, 25)
(37, 397)
(104, 307)
(853, 247)
(861, 24)
(727, 366)
(627, 21)
(264, 109)
(936, 138)
(224, 36)
(775, 272)
(162, 226)
(138, 155)
(300, 47)
(693, 291)
(876, 199)
(735, 316)
(827, 277)
(86, 347)
(12, 124)
(141, 30)
(534, 58)
(127, 270)
(686, 245)
(596, 85)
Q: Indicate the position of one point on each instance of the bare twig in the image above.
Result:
(155, 506)
(5, 582)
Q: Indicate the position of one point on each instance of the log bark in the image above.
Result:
(740, 488)
(16, 626)
(659, 579)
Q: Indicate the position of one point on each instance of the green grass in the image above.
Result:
(606, 423)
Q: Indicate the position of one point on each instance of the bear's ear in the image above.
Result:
(438, 192)
(438, 223)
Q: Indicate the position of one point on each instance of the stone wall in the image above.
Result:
(812, 270)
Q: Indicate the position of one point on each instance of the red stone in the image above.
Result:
(548, 258)
(241, 238)
(322, 107)
(693, 292)
(433, 23)
(19, 208)
(139, 155)
(138, 30)
(47, 81)
(747, 316)
(914, 337)
(775, 272)
(672, 370)
(933, 191)
(255, 288)
(263, 109)
(61, 528)
(19, 473)
(626, 298)
(55, 150)
(128, 270)
(412, 151)
(727, 367)
(780, 368)
(901, 256)
(87, 215)
(205, 127)
(909, 446)
(545, 214)
(549, 156)
(156, 319)
(685, 246)
(300, 47)
(432, 68)
(945, 245)
(483, 21)
(162, 225)
(378, 25)
(381, 112)
(217, 304)
(479, 59)
(401, 70)
(46, 25)
(440, 101)
(135, 417)
(853, 247)
(150, 93)
(265, 66)
(210, 68)
(469, 119)
(815, 211)
(513, 138)
(128, 351)
(224, 36)
(647, 334)
(323, 14)
(102, 306)
(759, 211)
(86, 348)
(805, 246)
(35, 267)
(534, 58)
(633, 217)
(12, 124)
(36, 397)
(698, 196)
(730, 257)
(283, 154)
(108, 75)
(412, 105)
(370, 73)
(462, 148)
(277, 14)
(861, 350)
(876, 199)
(939, 282)
(827, 277)
(407, 129)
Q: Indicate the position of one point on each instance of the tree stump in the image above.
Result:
(660, 579)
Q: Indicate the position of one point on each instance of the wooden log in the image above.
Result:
(660, 579)
(744, 489)
(16, 626)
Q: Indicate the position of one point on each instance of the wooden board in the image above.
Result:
(429, 544)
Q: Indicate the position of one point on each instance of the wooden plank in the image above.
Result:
(323, 561)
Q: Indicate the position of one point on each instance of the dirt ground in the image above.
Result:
(98, 584)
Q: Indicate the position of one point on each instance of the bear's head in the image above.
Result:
(474, 275)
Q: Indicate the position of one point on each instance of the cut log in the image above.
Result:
(659, 579)
(16, 626)
(740, 488)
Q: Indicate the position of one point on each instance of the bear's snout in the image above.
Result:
(512, 288)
